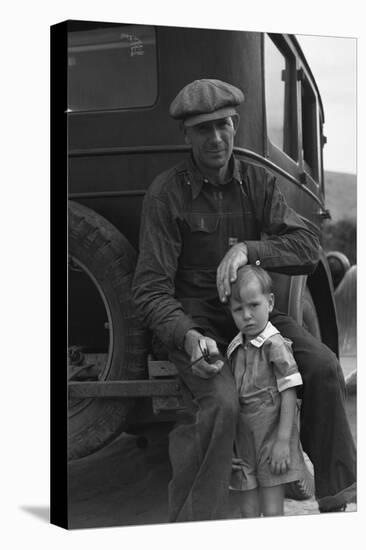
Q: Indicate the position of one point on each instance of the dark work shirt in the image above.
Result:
(188, 225)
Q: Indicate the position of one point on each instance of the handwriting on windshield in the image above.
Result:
(136, 44)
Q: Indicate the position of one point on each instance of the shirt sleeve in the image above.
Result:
(153, 285)
(289, 243)
(283, 363)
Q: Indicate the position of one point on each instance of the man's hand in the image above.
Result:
(280, 457)
(196, 345)
(236, 256)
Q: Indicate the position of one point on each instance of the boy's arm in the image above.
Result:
(280, 455)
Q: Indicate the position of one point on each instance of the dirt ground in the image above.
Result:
(126, 484)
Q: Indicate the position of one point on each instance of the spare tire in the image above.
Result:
(106, 341)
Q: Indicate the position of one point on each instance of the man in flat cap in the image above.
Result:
(202, 220)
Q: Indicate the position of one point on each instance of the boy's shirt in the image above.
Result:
(263, 363)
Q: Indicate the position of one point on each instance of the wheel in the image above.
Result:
(339, 264)
(310, 319)
(346, 305)
(106, 341)
(304, 488)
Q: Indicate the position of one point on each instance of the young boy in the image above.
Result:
(267, 448)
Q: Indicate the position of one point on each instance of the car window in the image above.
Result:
(112, 68)
(280, 95)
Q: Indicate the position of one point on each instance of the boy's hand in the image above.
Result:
(237, 464)
(280, 457)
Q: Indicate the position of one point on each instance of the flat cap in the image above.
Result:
(205, 99)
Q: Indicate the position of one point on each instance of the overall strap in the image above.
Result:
(246, 192)
(183, 178)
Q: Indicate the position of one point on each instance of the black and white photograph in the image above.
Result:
(211, 277)
(189, 253)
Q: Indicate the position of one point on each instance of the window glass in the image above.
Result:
(309, 128)
(112, 68)
(321, 144)
(280, 90)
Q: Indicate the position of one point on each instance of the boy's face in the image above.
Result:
(251, 312)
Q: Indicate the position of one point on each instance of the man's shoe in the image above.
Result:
(341, 508)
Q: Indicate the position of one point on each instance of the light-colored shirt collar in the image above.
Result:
(257, 342)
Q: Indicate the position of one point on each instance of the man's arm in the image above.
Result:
(154, 281)
(290, 244)
(154, 288)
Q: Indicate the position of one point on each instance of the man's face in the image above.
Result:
(251, 312)
(212, 142)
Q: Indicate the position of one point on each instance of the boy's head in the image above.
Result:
(251, 300)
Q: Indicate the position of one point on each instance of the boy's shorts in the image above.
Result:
(256, 433)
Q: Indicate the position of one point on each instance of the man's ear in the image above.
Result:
(271, 301)
(236, 119)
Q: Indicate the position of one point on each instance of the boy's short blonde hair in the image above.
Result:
(248, 273)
